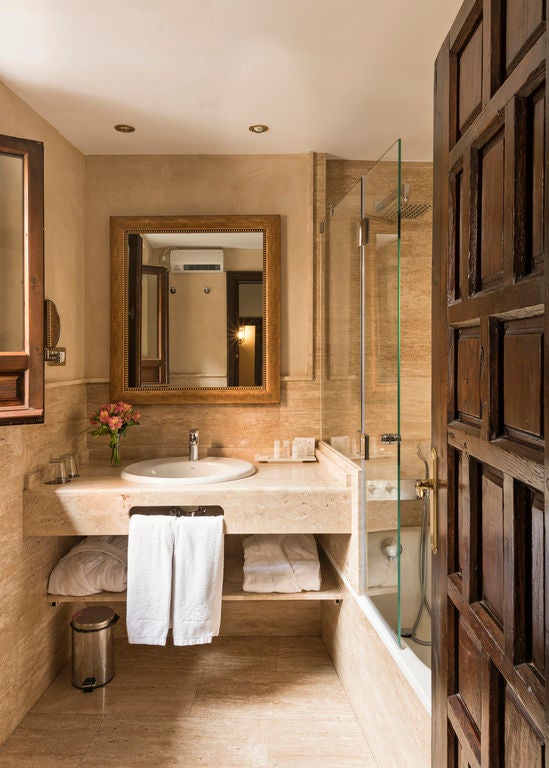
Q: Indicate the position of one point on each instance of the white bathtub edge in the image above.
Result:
(414, 670)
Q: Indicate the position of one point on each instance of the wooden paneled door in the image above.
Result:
(490, 352)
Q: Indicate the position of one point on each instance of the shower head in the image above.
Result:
(388, 207)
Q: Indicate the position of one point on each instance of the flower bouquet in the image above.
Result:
(113, 419)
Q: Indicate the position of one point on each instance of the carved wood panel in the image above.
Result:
(524, 22)
(489, 389)
(469, 75)
(468, 366)
(521, 373)
(489, 166)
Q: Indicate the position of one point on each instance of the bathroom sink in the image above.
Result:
(180, 471)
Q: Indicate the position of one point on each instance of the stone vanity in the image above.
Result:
(278, 498)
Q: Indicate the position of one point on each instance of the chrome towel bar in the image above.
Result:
(192, 511)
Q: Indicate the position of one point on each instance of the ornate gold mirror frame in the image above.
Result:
(121, 229)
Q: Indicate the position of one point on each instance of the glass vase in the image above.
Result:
(115, 449)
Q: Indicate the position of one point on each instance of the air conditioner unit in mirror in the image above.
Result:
(196, 260)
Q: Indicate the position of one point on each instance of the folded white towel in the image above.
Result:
(198, 579)
(150, 553)
(96, 564)
(281, 563)
(266, 569)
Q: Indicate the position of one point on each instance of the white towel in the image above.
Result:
(150, 553)
(198, 579)
(96, 564)
(281, 563)
(302, 554)
(175, 571)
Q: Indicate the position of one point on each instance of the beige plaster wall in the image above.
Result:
(198, 338)
(65, 280)
(34, 638)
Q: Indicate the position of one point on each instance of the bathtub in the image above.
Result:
(417, 673)
(382, 595)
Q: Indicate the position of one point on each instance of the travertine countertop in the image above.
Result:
(278, 498)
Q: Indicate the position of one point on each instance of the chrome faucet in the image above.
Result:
(193, 444)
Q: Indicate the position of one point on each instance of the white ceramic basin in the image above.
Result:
(180, 471)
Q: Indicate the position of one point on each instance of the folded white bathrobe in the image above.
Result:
(96, 564)
(281, 563)
(175, 576)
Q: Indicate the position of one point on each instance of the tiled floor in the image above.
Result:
(263, 702)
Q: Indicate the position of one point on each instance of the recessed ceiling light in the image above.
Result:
(258, 128)
(122, 128)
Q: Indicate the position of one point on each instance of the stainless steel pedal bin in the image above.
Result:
(93, 647)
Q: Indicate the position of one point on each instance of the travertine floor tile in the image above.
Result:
(235, 694)
(132, 691)
(238, 703)
(44, 740)
(311, 693)
(318, 743)
(182, 742)
(222, 653)
(238, 653)
(296, 654)
(8, 760)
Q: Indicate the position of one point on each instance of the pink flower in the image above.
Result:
(113, 418)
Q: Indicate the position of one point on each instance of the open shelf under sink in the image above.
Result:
(232, 588)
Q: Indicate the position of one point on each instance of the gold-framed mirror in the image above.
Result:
(195, 309)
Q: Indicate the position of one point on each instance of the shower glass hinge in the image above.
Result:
(364, 232)
(389, 438)
(364, 445)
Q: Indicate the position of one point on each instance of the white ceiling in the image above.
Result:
(346, 77)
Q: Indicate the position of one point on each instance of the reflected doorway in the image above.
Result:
(245, 329)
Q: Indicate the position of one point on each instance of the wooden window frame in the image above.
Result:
(22, 371)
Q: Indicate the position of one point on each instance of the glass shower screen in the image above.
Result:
(361, 364)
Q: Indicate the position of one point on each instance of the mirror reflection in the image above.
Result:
(200, 307)
(12, 250)
(21, 281)
(202, 332)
